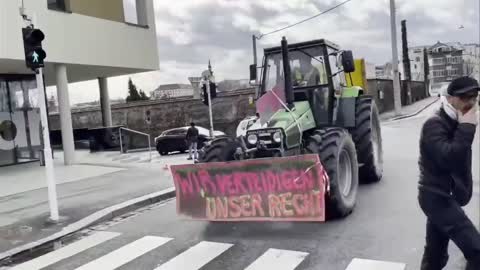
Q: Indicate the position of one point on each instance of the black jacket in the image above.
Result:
(446, 157)
(192, 135)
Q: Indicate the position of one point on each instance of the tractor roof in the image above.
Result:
(306, 44)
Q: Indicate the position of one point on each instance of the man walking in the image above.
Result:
(192, 140)
(446, 176)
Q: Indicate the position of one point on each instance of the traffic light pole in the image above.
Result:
(210, 107)
(47, 151)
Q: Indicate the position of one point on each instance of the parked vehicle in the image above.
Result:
(173, 140)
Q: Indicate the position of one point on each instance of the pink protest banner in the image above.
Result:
(279, 189)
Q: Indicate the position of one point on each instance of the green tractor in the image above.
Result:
(306, 107)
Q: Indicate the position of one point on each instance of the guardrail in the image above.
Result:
(139, 133)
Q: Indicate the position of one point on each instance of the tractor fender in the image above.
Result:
(346, 106)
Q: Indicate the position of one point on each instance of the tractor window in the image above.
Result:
(308, 67)
(274, 72)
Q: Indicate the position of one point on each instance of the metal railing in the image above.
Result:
(139, 133)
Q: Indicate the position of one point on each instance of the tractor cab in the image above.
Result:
(317, 75)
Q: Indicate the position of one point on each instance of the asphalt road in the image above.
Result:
(386, 226)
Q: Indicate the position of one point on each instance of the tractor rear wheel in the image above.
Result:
(339, 158)
(367, 136)
(219, 150)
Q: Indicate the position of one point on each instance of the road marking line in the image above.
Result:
(125, 254)
(66, 251)
(195, 257)
(278, 259)
(361, 264)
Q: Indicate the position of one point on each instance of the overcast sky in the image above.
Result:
(192, 31)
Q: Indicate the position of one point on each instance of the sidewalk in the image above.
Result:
(84, 189)
(409, 110)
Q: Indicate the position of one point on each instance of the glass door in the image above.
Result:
(8, 130)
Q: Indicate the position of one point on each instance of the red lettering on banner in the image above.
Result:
(237, 180)
(193, 178)
(257, 206)
(264, 182)
(249, 180)
(206, 182)
(286, 180)
(256, 181)
(235, 210)
(274, 205)
(185, 185)
(272, 181)
(287, 204)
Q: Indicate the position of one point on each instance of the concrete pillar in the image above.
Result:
(105, 102)
(65, 114)
(142, 12)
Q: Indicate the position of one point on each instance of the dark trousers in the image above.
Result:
(447, 221)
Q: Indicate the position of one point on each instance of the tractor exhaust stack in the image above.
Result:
(288, 74)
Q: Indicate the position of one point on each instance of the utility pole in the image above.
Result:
(47, 151)
(396, 78)
(406, 61)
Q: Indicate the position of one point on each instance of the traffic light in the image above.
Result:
(32, 42)
(213, 92)
(205, 94)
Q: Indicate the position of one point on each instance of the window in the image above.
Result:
(417, 59)
(439, 73)
(135, 12)
(57, 5)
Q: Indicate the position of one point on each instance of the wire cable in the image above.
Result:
(304, 20)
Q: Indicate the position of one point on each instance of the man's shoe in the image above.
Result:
(189, 158)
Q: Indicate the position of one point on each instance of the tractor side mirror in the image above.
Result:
(348, 62)
(253, 72)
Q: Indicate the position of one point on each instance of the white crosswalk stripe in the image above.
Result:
(361, 264)
(193, 258)
(67, 251)
(126, 253)
(196, 257)
(278, 259)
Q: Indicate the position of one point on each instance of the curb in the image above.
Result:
(412, 114)
(95, 218)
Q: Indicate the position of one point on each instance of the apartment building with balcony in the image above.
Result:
(85, 40)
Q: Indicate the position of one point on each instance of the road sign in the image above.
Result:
(34, 53)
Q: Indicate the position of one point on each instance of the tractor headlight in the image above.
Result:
(277, 137)
(252, 139)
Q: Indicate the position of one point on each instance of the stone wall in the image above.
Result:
(382, 91)
(154, 117)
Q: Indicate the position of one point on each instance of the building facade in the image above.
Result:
(84, 40)
(167, 91)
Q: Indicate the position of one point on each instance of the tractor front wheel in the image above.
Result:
(219, 150)
(339, 158)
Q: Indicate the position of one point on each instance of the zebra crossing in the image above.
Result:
(193, 258)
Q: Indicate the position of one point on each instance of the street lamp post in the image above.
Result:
(396, 78)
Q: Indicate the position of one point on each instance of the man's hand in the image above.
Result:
(469, 117)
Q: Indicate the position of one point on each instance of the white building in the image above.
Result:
(85, 40)
(166, 91)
